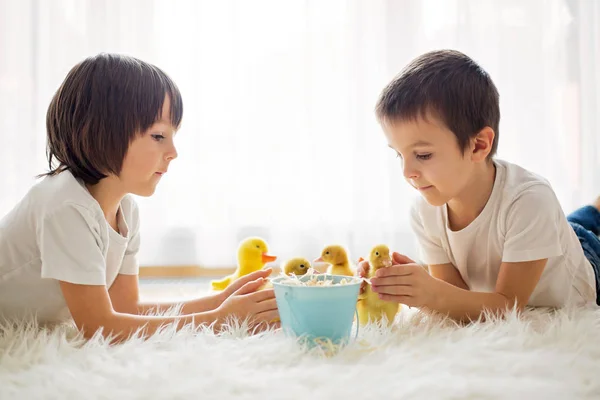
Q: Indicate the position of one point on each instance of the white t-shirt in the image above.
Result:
(522, 221)
(58, 232)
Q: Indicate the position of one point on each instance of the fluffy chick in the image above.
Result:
(370, 307)
(337, 258)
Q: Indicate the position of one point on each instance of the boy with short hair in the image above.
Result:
(492, 233)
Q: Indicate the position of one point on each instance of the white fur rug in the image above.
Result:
(541, 355)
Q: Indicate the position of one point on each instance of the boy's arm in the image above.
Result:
(91, 309)
(515, 284)
(448, 273)
(124, 294)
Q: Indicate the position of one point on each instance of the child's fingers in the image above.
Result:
(268, 316)
(363, 287)
(236, 285)
(394, 280)
(363, 269)
(267, 305)
(240, 282)
(263, 273)
(395, 290)
(250, 287)
(401, 259)
(262, 295)
(408, 300)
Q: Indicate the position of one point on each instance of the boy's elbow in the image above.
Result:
(103, 324)
(90, 330)
(129, 308)
(513, 303)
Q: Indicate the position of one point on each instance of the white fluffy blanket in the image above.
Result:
(541, 355)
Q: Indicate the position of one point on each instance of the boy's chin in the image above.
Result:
(144, 191)
(435, 200)
(144, 194)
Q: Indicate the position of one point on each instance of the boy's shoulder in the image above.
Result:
(515, 179)
(130, 210)
(55, 192)
(129, 204)
(53, 200)
(523, 191)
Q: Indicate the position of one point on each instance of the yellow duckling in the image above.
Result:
(297, 266)
(337, 258)
(252, 255)
(370, 307)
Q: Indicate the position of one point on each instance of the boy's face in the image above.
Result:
(431, 158)
(149, 155)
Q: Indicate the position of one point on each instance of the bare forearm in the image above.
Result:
(448, 273)
(464, 305)
(188, 307)
(120, 326)
(459, 283)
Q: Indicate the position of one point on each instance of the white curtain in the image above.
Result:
(279, 137)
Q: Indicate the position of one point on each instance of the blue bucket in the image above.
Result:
(318, 312)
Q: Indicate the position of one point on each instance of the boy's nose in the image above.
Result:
(171, 155)
(410, 172)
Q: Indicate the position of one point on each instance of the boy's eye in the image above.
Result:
(158, 137)
(426, 156)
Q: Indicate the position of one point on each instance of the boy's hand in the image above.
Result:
(362, 271)
(258, 307)
(408, 284)
(240, 282)
(399, 259)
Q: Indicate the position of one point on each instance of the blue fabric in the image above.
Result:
(586, 224)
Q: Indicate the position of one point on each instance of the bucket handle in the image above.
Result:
(357, 323)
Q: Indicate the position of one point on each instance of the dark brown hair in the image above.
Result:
(448, 85)
(103, 104)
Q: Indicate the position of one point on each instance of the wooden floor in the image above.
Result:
(184, 271)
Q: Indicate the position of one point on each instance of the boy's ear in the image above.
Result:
(482, 144)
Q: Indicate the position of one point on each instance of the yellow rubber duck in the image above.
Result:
(370, 307)
(252, 255)
(337, 258)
